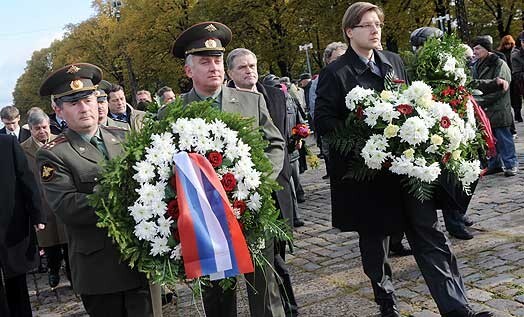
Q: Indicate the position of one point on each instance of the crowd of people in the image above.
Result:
(51, 165)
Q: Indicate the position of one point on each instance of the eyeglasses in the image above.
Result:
(370, 26)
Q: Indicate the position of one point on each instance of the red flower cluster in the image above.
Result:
(446, 158)
(300, 131)
(445, 122)
(398, 81)
(360, 112)
(405, 109)
(215, 159)
(241, 205)
(229, 182)
(448, 91)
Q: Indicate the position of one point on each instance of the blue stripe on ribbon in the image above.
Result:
(217, 205)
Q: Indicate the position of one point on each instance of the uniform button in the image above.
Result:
(96, 179)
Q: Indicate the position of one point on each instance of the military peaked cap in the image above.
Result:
(205, 38)
(72, 82)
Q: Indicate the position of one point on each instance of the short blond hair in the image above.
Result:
(354, 14)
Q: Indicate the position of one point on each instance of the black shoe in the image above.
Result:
(325, 176)
(54, 279)
(298, 223)
(511, 171)
(400, 250)
(301, 200)
(462, 234)
(389, 310)
(468, 312)
(467, 221)
(495, 170)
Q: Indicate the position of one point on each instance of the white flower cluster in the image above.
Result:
(153, 173)
(449, 67)
(430, 129)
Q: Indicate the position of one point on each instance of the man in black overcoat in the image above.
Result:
(20, 215)
(381, 206)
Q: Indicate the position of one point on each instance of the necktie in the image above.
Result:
(63, 125)
(99, 144)
(121, 117)
(374, 68)
(214, 102)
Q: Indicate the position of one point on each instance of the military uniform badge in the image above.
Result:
(47, 171)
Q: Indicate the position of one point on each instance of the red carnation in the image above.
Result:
(454, 102)
(240, 205)
(229, 182)
(172, 182)
(446, 158)
(448, 91)
(172, 209)
(386, 164)
(360, 112)
(405, 109)
(445, 122)
(398, 81)
(215, 159)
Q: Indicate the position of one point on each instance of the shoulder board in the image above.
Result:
(59, 139)
(114, 128)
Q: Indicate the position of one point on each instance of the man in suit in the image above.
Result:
(69, 168)
(53, 238)
(381, 206)
(11, 118)
(103, 109)
(20, 215)
(202, 45)
(242, 70)
(120, 110)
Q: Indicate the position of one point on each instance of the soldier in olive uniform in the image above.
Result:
(69, 169)
(202, 45)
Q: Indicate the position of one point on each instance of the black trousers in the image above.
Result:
(55, 255)
(284, 280)
(130, 303)
(17, 296)
(431, 251)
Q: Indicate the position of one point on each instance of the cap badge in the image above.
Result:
(73, 69)
(210, 43)
(211, 28)
(76, 84)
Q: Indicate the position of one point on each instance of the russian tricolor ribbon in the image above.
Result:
(212, 242)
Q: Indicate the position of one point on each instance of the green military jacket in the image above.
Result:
(495, 102)
(54, 232)
(249, 104)
(69, 170)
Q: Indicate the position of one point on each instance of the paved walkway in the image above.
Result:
(327, 274)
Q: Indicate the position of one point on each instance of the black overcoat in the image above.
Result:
(374, 206)
(19, 210)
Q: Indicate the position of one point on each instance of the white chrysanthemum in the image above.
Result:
(387, 95)
(401, 165)
(252, 180)
(356, 96)
(450, 63)
(442, 109)
(164, 172)
(374, 153)
(145, 171)
(176, 254)
(164, 225)
(420, 93)
(460, 76)
(254, 202)
(426, 174)
(469, 172)
(159, 246)
(455, 137)
(181, 125)
(158, 207)
(203, 145)
(414, 131)
(139, 212)
(149, 193)
(145, 230)
(427, 117)
(230, 137)
(241, 192)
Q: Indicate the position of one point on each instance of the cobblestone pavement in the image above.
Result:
(327, 274)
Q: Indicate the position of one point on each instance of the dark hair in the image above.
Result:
(161, 91)
(114, 88)
(354, 14)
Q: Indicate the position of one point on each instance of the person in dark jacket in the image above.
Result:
(497, 105)
(10, 118)
(517, 68)
(20, 215)
(507, 47)
(242, 69)
(381, 206)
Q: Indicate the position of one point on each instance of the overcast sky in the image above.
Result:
(29, 25)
